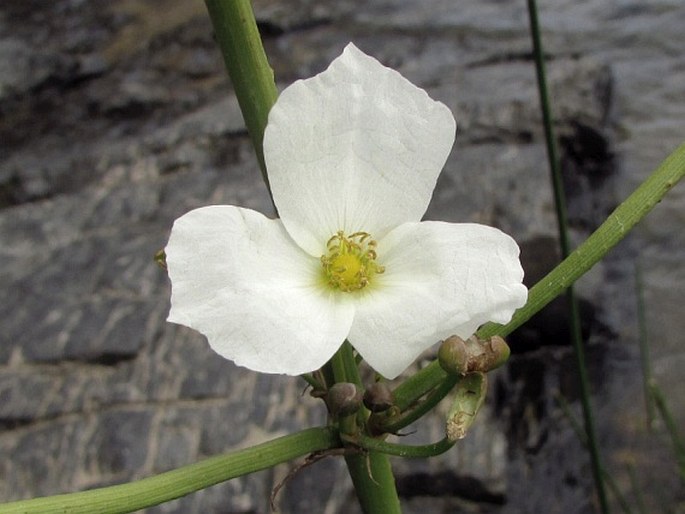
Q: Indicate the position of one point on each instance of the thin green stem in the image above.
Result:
(312, 381)
(637, 490)
(416, 386)
(238, 38)
(582, 437)
(350, 363)
(677, 439)
(547, 123)
(585, 401)
(182, 481)
(644, 346)
(402, 450)
(562, 222)
(338, 366)
(616, 227)
(407, 417)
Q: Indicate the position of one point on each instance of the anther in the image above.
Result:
(350, 261)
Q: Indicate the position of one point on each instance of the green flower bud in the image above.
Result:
(453, 356)
(344, 399)
(378, 397)
(500, 351)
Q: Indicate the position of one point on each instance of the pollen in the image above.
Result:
(350, 261)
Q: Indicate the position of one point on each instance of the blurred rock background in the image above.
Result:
(118, 117)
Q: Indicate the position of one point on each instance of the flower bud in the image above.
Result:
(500, 351)
(468, 398)
(453, 356)
(344, 399)
(486, 355)
(378, 397)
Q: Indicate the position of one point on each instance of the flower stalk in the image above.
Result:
(394, 423)
(370, 470)
(174, 484)
(374, 482)
(590, 252)
(238, 38)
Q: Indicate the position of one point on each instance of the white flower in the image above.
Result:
(353, 155)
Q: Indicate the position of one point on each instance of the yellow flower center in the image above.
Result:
(350, 261)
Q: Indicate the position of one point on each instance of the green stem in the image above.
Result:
(562, 222)
(643, 342)
(671, 426)
(168, 486)
(238, 38)
(637, 490)
(584, 385)
(402, 450)
(374, 482)
(416, 386)
(345, 365)
(619, 223)
(595, 247)
(312, 381)
(582, 437)
(550, 139)
(394, 425)
(371, 472)
(338, 365)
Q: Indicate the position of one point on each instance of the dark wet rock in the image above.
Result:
(275, 19)
(588, 166)
(551, 326)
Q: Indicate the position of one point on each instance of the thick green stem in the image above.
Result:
(182, 481)
(374, 482)
(238, 38)
(370, 471)
(597, 245)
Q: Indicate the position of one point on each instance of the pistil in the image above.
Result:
(350, 261)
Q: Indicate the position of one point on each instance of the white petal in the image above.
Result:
(238, 278)
(355, 148)
(440, 279)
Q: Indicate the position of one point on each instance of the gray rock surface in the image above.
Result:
(116, 118)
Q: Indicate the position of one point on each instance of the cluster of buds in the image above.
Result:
(468, 360)
(345, 398)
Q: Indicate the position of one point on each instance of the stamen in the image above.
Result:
(350, 263)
